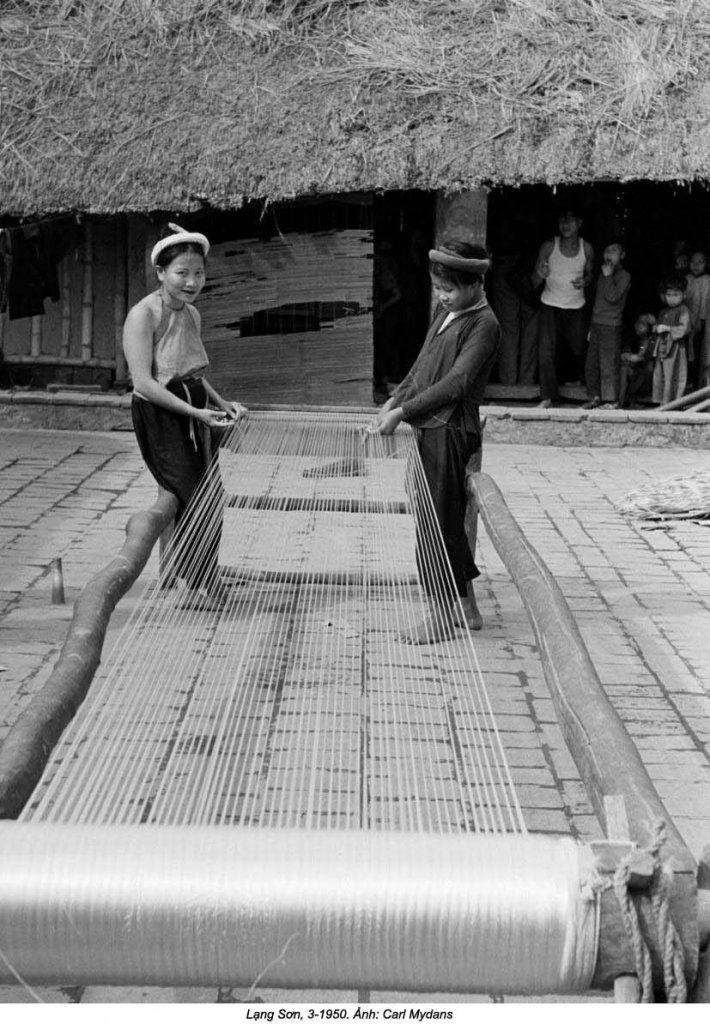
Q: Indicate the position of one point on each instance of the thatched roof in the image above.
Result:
(112, 105)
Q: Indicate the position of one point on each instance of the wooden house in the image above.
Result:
(314, 141)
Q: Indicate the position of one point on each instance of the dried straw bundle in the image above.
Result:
(139, 104)
(677, 497)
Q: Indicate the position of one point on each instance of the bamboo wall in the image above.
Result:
(290, 319)
(287, 319)
(77, 340)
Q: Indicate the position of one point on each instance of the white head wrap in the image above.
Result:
(179, 237)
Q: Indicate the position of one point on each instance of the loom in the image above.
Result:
(284, 792)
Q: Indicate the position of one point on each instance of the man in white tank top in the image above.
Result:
(565, 264)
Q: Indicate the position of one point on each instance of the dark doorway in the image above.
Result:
(403, 235)
(653, 218)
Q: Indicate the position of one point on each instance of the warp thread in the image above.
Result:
(668, 939)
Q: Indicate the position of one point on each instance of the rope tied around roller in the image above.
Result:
(659, 910)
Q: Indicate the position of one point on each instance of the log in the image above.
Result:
(606, 758)
(29, 742)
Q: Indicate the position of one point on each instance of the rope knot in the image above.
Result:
(658, 906)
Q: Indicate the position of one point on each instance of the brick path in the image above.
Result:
(640, 596)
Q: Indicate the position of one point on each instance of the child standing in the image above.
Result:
(173, 405)
(440, 398)
(670, 350)
(697, 299)
(602, 367)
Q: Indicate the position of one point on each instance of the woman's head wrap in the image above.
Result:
(180, 237)
(451, 259)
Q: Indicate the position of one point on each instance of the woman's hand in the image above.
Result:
(387, 422)
(212, 417)
(235, 410)
(226, 414)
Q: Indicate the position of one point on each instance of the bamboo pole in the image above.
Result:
(65, 339)
(61, 361)
(87, 294)
(701, 406)
(120, 298)
(35, 337)
(680, 403)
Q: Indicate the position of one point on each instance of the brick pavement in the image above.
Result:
(640, 596)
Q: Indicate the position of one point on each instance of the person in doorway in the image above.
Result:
(440, 398)
(603, 364)
(174, 407)
(565, 265)
(697, 299)
(636, 371)
(670, 350)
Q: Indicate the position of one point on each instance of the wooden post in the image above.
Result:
(36, 336)
(701, 991)
(120, 298)
(87, 294)
(626, 986)
(65, 339)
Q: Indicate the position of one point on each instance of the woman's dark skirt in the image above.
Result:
(178, 459)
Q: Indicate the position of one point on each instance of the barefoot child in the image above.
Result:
(603, 362)
(440, 398)
(670, 351)
(173, 405)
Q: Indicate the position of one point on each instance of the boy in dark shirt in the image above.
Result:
(440, 398)
(603, 363)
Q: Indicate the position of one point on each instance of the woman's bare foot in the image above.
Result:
(468, 617)
(437, 625)
(467, 614)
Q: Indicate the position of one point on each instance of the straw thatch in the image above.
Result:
(111, 105)
(675, 497)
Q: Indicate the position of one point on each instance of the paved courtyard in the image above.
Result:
(640, 592)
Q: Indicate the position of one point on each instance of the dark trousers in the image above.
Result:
(562, 341)
(444, 453)
(517, 357)
(179, 461)
(602, 370)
